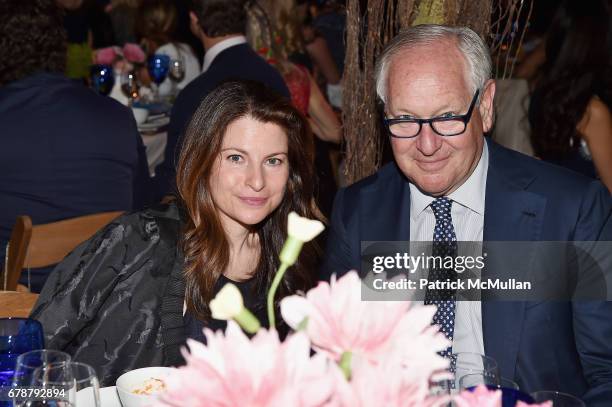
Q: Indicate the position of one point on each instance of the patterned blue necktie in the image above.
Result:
(444, 244)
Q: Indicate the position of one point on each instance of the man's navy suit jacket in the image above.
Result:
(542, 345)
(236, 62)
(65, 152)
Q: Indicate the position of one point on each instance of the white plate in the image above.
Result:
(108, 398)
(153, 125)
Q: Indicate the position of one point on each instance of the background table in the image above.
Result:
(156, 145)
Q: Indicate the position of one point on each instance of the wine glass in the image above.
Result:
(158, 66)
(17, 336)
(464, 363)
(102, 78)
(559, 399)
(130, 86)
(474, 379)
(28, 362)
(176, 73)
(70, 384)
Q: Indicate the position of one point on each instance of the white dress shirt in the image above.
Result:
(468, 220)
(216, 49)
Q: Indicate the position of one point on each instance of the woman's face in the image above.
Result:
(249, 177)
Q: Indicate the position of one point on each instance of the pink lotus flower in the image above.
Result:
(479, 397)
(483, 397)
(133, 53)
(339, 321)
(384, 385)
(107, 56)
(232, 370)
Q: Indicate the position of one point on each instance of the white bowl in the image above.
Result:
(134, 379)
(140, 114)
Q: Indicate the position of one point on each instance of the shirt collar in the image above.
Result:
(219, 47)
(470, 194)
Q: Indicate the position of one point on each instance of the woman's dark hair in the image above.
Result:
(156, 20)
(205, 245)
(577, 68)
(32, 39)
(220, 17)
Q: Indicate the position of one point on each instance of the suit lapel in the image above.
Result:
(511, 214)
(385, 209)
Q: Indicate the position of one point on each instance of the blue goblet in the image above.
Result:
(102, 79)
(17, 336)
(158, 66)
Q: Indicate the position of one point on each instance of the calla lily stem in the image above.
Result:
(275, 283)
(247, 321)
(345, 364)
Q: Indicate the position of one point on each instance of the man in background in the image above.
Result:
(64, 151)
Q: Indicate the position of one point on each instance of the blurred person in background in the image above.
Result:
(156, 22)
(271, 36)
(88, 27)
(77, 23)
(65, 151)
(304, 44)
(122, 14)
(272, 33)
(329, 19)
(569, 113)
(326, 69)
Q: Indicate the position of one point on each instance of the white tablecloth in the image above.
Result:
(155, 144)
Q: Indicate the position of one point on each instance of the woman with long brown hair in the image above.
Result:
(131, 295)
(256, 156)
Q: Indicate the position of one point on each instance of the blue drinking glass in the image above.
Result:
(17, 336)
(102, 79)
(158, 66)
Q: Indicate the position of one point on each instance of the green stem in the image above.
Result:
(247, 321)
(345, 364)
(275, 283)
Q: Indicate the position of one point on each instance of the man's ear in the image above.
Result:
(486, 107)
(194, 24)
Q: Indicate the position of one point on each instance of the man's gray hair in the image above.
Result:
(472, 47)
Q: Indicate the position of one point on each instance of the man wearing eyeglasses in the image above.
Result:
(449, 184)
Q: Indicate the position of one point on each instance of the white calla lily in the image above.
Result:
(300, 231)
(227, 304)
(303, 229)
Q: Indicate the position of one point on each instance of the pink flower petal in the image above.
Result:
(106, 56)
(232, 370)
(133, 53)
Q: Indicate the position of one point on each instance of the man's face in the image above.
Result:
(430, 81)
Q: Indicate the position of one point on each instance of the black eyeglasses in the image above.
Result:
(410, 127)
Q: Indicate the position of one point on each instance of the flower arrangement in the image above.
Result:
(362, 354)
(121, 59)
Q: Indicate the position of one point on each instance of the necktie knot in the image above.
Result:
(442, 209)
